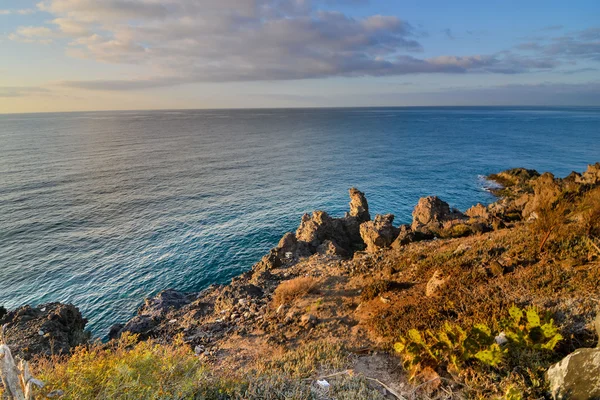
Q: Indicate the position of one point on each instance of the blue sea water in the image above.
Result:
(102, 209)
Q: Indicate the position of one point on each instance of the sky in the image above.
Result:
(76, 55)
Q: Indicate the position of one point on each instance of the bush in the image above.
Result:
(125, 370)
(374, 289)
(288, 291)
(453, 348)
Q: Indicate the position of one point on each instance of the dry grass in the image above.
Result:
(289, 291)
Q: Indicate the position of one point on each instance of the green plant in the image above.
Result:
(451, 348)
(525, 328)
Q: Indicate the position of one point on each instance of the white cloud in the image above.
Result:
(24, 11)
(237, 40)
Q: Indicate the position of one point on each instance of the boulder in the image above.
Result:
(163, 302)
(154, 311)
(478, 211)
(379, 233)
(406, 235)
(546, 190)
(359, 207)
(431, 212)
(52, 328)
(577, 376)
(435, 284)
(514, 177)
(287, 246)
(231, 295)
(316, 228)
(592, 175)
(330, 248)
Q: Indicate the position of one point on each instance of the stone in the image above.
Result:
(577, 376)
(592, 175)
(115, 331)
(546, 190)
(496, 269)
(308, 320)
(379, 233)
(165, 301)
(431, 212)
(330, 248)
(287, 246)
(478, 211)
(62, 327)
(359, 207)
(231, 294)
(3, 312)
(435, 284)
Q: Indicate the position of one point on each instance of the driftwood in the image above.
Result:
(18, 382)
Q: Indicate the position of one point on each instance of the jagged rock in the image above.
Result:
(546, 190)
(514, 177)
(152, 313)
(52, 328)
(577, 376)
(330, 248)
(115, 331)
(478, 211)
(592, 175)
(437, 282)
(315, 229)
(3, 312)
(379, 233)
(308, 320)
(359, 207)
(406, 235)
(431, 212)
(159, 305)
(231, 294)
(287, 246)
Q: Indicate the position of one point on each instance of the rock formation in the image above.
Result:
(152, 312)
(379, 233)
(358, 205)
(52, 328)
(431, 213)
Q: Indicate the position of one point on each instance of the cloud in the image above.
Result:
(180, 41)
(448, 33)
(24, 11)
(572, 47)
(19, 91)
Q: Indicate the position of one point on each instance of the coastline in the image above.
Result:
(363, 282)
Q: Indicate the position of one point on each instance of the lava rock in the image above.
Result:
(62, 327)
(380, 233)
(431, 212)
(359, 207)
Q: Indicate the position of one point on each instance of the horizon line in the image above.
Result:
(301, 108)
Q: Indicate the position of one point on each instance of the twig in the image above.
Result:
(351, 373)
(423, 384)
(546, 238)
(593, 244)
(392, 391)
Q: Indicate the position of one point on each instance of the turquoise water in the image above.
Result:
(102, 209)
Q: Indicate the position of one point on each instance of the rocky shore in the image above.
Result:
(365, 282)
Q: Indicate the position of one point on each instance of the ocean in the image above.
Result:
(102, 209)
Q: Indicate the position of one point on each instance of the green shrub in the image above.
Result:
(452, 348)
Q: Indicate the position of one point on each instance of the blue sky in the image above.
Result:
(63, 55)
